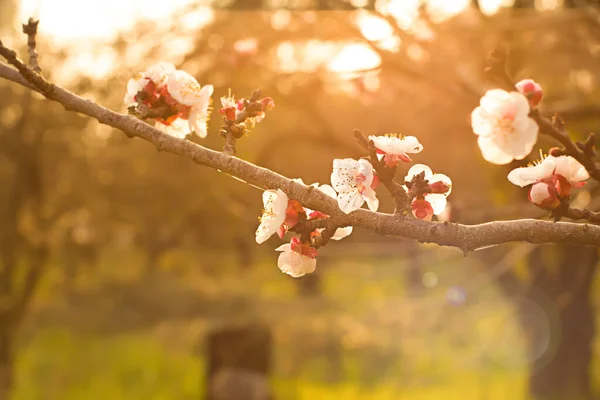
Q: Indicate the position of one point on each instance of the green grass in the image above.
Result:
(392, 346)
(59, 365)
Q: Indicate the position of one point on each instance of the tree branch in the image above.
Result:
(465, 237)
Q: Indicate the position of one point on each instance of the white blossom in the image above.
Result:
(275, 203)
(190, 101)
(186, 90)
(393, 148)
(352, 181)
(159, 73)
(200, 114)
(505, 130)
(437, 201)
(178, 128)
(293, 261)
(565, 166)
(551, 178)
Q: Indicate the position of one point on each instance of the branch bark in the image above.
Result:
(465, 237)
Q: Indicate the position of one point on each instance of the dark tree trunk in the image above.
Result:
(564, 274)
(239, 362)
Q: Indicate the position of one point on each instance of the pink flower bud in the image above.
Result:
(303, 248)
(267, 103)
(544, 196)
(532, 90)
(229, 113)
(439, 187)
(422, 209)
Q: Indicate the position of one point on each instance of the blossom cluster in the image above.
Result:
(353, 183)
(180, 105)
(506, 132)
(280, 214)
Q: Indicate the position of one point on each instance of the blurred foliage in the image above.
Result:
(148, 251)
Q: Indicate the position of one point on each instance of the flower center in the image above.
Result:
(359, 180)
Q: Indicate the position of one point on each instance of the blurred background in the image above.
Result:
(131, 274)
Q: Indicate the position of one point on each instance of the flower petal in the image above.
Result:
(571, 169)
(437, 201)
(198, 120)
(416, 170)
(527, 175)
(284, 247)
(342, 176)
(328, 190)
(366, 169)
(371, 199)
(482, 122)
(158, 73)
(178, 128)
(521, 103)
(275, 204)
(350, 201)
(295, 264)
(492, 98)
(442, 178)
(491, 152)
(341, 233)
(185, 88)
(134, 86)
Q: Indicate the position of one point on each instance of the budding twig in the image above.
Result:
(235, 129)
(386, 175)
(419, 186)
(30, 29)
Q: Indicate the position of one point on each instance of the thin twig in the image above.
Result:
(235, 129)
(575, 214)
(556, 130)
(30, 29)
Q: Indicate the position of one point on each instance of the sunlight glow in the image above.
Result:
(65, 20)
(355, 57)
(548, 5)
(442, 10)
(378, 31)
(490, 7)
(373, 28)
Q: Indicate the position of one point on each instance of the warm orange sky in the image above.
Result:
(69, 19)
(98, 19)
(75, 22)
